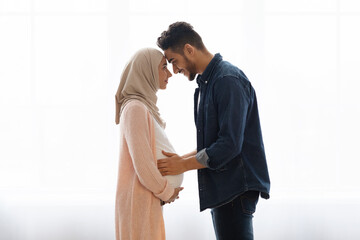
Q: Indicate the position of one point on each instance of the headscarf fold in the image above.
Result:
(140, 80)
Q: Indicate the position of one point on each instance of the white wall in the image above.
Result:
(60, 63)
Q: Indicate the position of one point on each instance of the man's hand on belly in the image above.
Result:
(174, 164)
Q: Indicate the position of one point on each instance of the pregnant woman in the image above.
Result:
(141, 189)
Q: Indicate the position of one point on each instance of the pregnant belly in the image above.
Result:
(175, 180)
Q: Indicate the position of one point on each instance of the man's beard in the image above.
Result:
(192, 76)
(190, 67)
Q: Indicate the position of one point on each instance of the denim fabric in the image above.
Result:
(202, 157)
(228, 128)
(233, 221)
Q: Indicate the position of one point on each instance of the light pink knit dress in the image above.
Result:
(140, 185)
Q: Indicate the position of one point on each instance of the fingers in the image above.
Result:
(170, 201)
(177, 191)
(164, 171)
(163, 167)
(168, 154)
(162, 163)
(175, 196)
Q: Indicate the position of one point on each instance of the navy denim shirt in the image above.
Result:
(229, 139)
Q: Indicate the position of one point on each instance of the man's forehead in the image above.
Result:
(169, 55)
(166, 55)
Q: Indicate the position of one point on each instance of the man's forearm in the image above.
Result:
(191, 163)
(190, 154)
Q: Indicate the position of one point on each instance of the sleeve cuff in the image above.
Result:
(167, 193)
(202, 158)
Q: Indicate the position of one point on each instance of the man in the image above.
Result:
(230, 156)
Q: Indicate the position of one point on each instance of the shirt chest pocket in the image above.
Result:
(211, 126)
(209, 105)
(210, 115)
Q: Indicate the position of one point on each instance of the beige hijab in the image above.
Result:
(140, 80)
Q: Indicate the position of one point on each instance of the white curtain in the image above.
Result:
(60, 63)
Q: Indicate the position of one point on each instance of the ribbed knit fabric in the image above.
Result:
(138, 214)
(163, 143)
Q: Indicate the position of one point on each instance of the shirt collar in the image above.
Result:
(206, 75)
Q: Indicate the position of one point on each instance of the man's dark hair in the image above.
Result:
(179, 34)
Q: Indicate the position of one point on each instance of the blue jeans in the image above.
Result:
(234, 219)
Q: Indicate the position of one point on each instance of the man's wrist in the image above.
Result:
(190, 154)
(191, 163)
(186, 164)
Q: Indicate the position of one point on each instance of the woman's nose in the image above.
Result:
(169, 73)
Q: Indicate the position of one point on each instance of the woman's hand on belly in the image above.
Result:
(175, 195)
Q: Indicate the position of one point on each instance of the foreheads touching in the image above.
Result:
(177, 36)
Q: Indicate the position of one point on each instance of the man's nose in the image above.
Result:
(175, 69)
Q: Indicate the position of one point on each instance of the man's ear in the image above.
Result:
(189, 50)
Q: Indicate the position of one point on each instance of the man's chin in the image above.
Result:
(191, 77)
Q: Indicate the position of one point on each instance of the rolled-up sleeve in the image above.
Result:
(202, 157)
